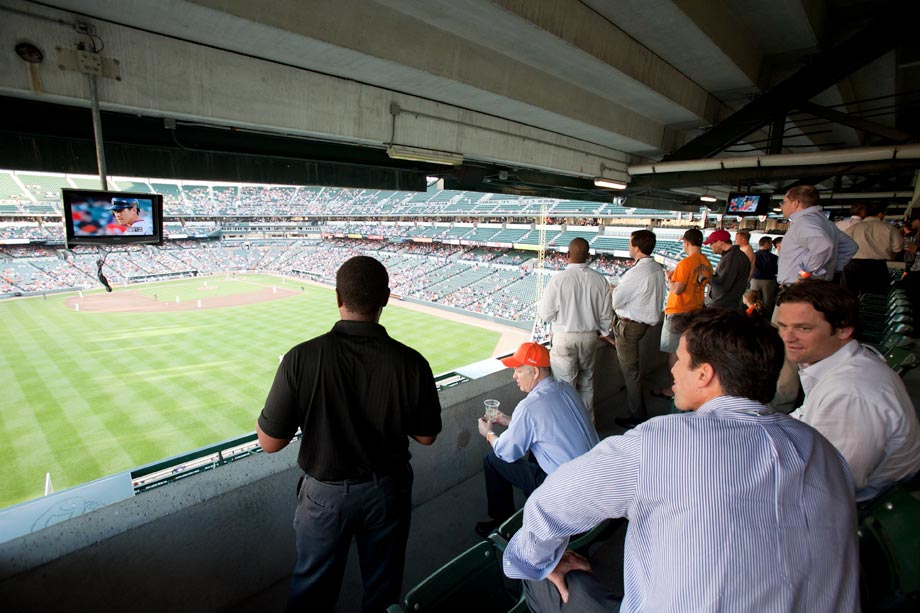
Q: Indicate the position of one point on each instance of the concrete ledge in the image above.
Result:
(216, 538)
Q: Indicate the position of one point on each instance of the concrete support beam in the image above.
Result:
(163, 76)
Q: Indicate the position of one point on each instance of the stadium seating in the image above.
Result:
(472, 581)
(44, 187)
(9, 188)
(509, 235)
(85, 182)
(564, 238)
(126, 185)
(889, 542)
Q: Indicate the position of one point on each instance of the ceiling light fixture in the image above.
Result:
(420, 154)
(709, 199)
(609, 183)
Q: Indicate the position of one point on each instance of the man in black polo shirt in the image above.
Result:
(356, 394)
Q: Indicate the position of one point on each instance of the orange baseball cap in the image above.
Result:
(529, 354)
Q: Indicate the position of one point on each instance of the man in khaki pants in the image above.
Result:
(577, 302)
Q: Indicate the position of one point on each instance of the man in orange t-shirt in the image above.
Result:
(686, 290)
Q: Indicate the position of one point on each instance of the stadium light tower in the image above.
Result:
(539, 331)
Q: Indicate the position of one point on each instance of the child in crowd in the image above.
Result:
(753, 302)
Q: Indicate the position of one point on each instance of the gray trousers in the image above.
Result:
(586, 595)
(376, 514)
(628, 335)
(767, 289)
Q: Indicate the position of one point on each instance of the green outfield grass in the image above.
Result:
(87, 394)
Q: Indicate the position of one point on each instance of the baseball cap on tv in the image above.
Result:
(529, 354)
(123, 203)
(719, 235)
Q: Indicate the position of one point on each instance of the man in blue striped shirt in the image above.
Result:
(731, 507)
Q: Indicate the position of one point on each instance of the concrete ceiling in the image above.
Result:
(640, 77)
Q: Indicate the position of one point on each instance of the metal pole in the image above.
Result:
(97, 131)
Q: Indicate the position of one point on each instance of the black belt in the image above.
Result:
(355, 481)
(365, 478)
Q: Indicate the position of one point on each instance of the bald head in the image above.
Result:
(578, 251)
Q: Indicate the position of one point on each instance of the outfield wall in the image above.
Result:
(224, 535)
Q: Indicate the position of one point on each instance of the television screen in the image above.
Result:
(743, 204)
(111, 218)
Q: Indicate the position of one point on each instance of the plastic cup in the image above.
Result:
(492, 411)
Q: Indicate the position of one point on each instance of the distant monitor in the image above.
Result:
(747, 204)
(93, 217)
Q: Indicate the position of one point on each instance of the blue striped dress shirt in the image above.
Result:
(730, 508)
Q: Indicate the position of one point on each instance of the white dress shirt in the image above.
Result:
(861, 406)
(577, 299)
(640, 294)
(845, 224)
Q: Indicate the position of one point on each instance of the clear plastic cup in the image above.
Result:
(492, 411)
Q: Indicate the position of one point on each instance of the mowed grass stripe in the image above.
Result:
(95, 393)
(116, 392)
(93, 401)
(49, 447)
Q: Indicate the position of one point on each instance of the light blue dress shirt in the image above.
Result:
(813, 244)
(730, 508)
(551, 423)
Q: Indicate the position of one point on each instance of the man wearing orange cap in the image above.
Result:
(550, 422)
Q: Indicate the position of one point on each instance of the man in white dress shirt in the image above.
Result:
(858, 212)
(638, 301)
(878, 243)
(852, 397)
(577, 302)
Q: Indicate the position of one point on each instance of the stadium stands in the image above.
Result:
(278, 229)
(44, 187)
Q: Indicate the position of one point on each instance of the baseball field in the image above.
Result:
(99, 383)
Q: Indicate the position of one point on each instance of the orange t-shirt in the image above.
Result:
(696, 271)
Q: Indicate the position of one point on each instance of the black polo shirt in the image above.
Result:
(357, 395)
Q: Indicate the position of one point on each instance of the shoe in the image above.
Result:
(627, 422)
(485, 528)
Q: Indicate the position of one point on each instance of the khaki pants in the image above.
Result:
(572, 361)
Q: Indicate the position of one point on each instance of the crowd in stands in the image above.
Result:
(489, 281)
(40, 194)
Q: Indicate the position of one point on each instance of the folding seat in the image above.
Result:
(889, 542)
(472, 581)
(901, 359)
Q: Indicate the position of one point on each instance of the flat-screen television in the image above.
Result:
(93, 217)
(747, 204)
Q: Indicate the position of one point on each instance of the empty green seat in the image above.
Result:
(473, 581)
(889, 552)
(901, 359)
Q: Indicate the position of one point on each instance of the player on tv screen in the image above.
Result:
(124, 216)
(744, 204)
(127, 212)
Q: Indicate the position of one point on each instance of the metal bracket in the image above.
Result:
(87, 62)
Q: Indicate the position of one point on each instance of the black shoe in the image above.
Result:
(628, 422)
(485, 528)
